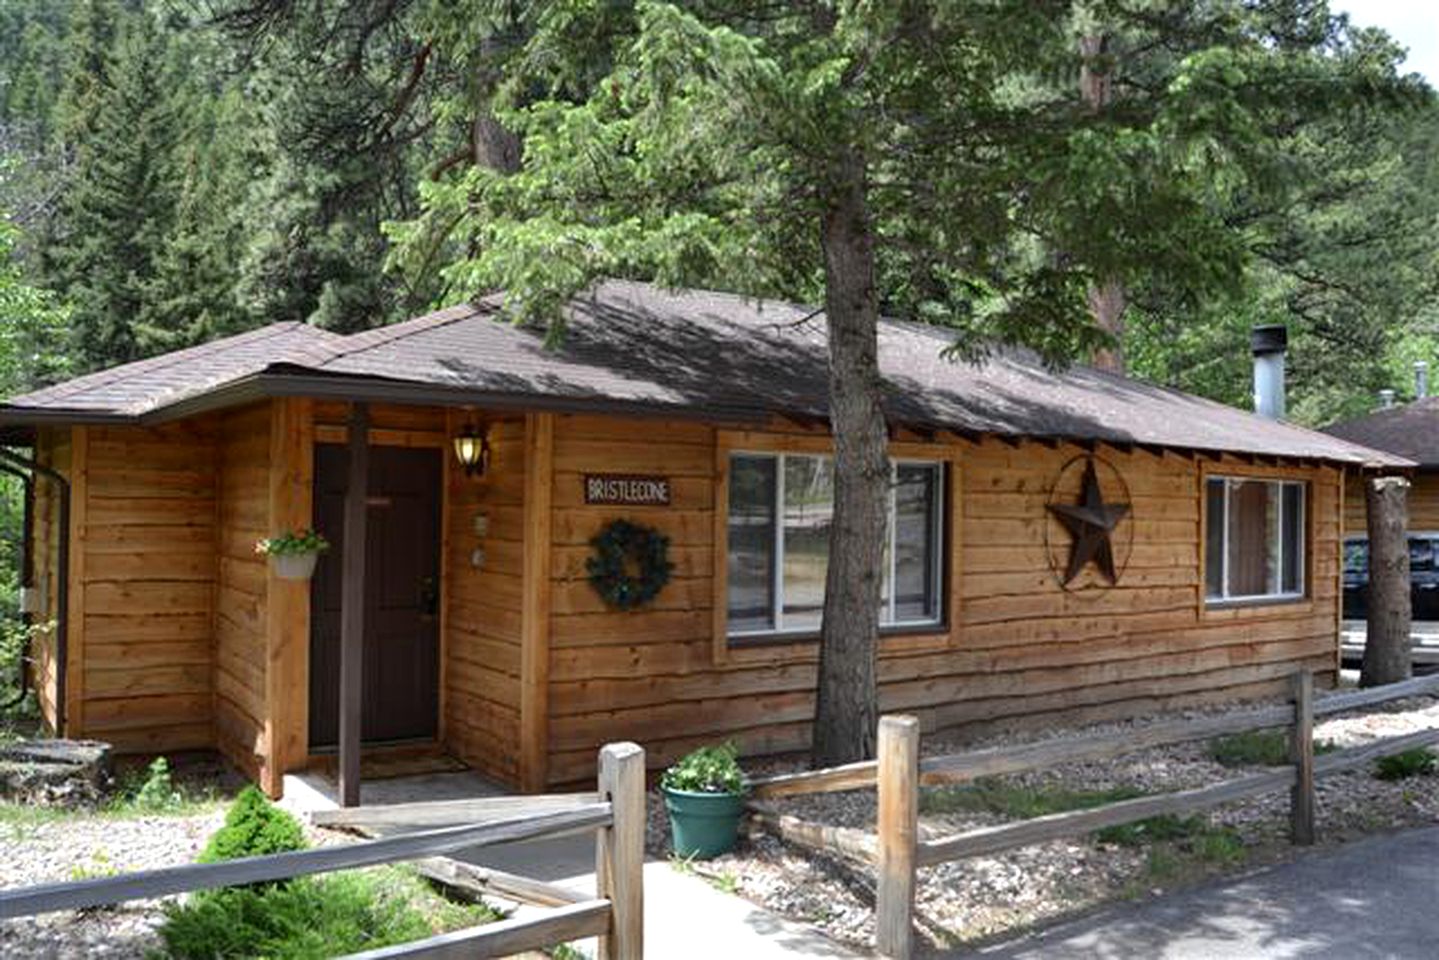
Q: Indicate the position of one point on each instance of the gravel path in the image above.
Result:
(981, 898)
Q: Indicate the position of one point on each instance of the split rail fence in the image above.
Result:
(615, 915)
(896, 850)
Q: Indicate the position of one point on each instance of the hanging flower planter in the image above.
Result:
(293, 555)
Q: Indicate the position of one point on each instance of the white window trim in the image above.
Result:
(1225, 598)
(777, 575)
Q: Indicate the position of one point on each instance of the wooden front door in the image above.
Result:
(400, 697)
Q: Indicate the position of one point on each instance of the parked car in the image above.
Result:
(1423, 579)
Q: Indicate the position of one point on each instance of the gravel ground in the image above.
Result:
(76, 846)
(981, 898)
(80, 845)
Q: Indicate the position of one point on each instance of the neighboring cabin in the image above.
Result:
(1410, 431)
(1017, 493)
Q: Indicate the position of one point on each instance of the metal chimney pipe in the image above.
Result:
(1421, 379)
(1268, 343)
(1386, 399)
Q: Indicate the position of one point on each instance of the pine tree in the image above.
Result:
(194, 294)
(122, 196)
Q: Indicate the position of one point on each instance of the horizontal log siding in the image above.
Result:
(146, 558)
(240, 618)
(1022, 650)
(481, 647)
(1423, 504)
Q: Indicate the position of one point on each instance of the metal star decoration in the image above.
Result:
(1090, 523)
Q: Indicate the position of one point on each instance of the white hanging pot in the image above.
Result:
(294, 566)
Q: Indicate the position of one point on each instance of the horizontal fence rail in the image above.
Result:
(616, 813)
(896, 852)
(1057, 825)
(104, 891)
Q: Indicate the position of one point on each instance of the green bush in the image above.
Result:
(1165, 827)
(1017, 802)
(254, 827)
(1402, 766)
(310, 917)
(156, 793)
(707, 770)
(1258, 748)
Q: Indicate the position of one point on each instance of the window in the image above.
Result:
(781, 510)
(1254, 539)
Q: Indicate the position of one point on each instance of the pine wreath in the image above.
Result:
(630, 565)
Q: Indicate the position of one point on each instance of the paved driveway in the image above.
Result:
(1374, 898)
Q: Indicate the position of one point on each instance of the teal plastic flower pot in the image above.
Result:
(703, 825)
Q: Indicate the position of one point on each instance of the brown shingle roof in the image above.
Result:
(635, 347)
(135, 389)
(1410, 431)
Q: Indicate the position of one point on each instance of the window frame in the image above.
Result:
(940, 532)
(1226, 599)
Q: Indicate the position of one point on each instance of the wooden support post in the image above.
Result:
(287, 602)
(535, 593)
(1301, 754)
(898, 836)
(620, 851)
(352, 603)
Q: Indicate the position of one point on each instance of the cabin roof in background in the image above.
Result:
(633, 347)
(1410, 431)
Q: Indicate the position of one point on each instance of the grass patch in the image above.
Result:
(1401, 766)
(1258, 748)
(1017, 802)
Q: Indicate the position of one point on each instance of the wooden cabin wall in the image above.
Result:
(1019, 648)
(241, 589)
(483, 614)
(142, 569)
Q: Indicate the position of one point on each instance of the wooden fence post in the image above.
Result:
(1301, 754)
(898, 835)
(620, 851)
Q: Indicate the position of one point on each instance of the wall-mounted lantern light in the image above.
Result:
(472, 449)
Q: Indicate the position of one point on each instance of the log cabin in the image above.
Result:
(1062, 544)
(1410, 431)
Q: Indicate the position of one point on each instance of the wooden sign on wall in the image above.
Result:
(627, 489)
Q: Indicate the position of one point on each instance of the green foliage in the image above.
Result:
(155, 793)
(1016, 801)
(1258, 748)
(254, 827)
(630, 565)
(1166, 827)
(1401, 766)
(707, 770)
(293, 542)
(312, 917)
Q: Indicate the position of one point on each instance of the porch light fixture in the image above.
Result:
(472, 449)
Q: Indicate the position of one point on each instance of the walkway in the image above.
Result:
(685, 917)
(1371, 898)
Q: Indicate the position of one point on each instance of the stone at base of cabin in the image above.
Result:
(65, 773)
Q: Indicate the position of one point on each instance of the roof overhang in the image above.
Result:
(287, 380)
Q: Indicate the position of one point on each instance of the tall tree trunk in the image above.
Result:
(846, 712)
(1107, 299)
(1387, 652)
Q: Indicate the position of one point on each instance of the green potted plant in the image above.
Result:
(704, 794)
(293, 554)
